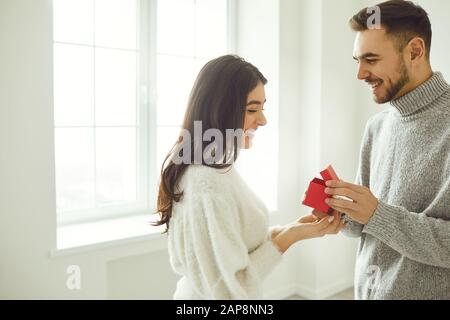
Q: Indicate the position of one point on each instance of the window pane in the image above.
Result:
(115, 23)
(73, 85)
(175, 27)
(115, 87)
(73, 21)
(211, 28)
(175, 79)
(166, 137)
(74, 157)
(116, 165)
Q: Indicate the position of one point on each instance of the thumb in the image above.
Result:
(319, 214)
(308, 219)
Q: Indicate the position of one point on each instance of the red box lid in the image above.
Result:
(329, 174)
(315, 196)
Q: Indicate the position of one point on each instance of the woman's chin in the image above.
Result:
(247, 143)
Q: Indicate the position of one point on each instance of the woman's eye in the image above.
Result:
(253, 111)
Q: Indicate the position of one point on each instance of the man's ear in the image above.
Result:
(417, 49)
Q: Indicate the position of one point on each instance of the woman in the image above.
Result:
(219, 240)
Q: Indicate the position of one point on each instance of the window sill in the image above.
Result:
(73, 239)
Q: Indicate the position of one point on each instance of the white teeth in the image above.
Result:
(375, 85)
(250, 133)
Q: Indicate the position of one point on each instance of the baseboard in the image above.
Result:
(334, 288)
(308, 293)
(281, 293)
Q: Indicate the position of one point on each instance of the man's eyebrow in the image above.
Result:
(366, 56)
(255, 102)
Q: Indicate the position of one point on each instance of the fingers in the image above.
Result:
(342, 225)
(323, 224)
(349, 193)
(328, 225)
(334, 225)
(341, 205)
(349, 212)
(308, 219)
(319, 214)
(338, 214)
(343, 184)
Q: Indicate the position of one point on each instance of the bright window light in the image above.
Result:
(95, 84)
(123, 72)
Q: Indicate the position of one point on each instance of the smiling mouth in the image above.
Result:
(375, 85)
(250, 133)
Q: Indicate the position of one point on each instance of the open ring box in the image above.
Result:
(315, 195)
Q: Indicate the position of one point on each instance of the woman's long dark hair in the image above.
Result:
(218, 99)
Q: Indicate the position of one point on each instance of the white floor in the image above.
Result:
(344, 295)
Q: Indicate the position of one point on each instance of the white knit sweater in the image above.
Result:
(219, 238)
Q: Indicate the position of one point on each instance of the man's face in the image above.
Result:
(381, 64)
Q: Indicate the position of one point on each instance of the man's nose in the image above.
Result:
(362, 73)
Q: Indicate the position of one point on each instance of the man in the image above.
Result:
(400, 204)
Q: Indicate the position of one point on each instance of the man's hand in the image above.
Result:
(361, 204)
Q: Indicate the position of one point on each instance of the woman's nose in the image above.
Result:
(262, 121)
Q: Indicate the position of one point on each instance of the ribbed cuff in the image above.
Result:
(272, 229)
(383, 223)
(353, 229)
(265, 258)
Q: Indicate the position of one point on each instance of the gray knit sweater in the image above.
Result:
(404, 250)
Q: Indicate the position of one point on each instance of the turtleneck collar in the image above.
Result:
(420, 97)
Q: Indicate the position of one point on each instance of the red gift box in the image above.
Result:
(315, 195)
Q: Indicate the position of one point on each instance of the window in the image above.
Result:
(199, 35)
(123, 70)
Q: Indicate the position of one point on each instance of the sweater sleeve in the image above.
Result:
(353, 229)
(417, 236)
(220, 264)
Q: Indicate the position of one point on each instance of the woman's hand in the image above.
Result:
(312, 226)
(275, 230)
(307, 227)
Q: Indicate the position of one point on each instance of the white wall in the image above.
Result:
(129, 270)
(27, 191)
(301, 38)
(26, 147)
(322, 112)
(317, 112)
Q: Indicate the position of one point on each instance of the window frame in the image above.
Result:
(146, 120)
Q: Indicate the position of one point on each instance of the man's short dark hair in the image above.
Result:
(401, 19)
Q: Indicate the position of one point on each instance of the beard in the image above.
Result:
(394, 88)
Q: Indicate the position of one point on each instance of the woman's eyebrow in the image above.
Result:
(255, 102)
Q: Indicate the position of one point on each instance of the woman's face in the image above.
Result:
(254, 116)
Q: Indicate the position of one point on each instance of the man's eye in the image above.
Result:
(252, 111)
(371, 61)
